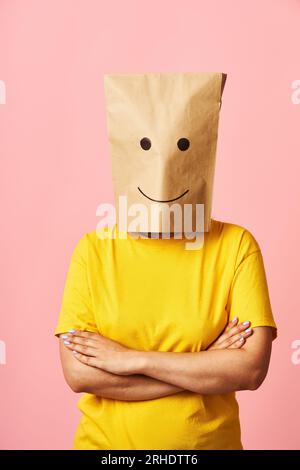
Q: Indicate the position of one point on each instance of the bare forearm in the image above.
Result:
(83, 378)
(122, 373)
(128, 388)
(206, 372)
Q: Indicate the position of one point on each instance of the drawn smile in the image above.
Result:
(168, 200)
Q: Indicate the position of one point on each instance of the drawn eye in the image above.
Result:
(183, 144)
(145, 143)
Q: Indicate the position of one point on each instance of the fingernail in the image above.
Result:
(64, 336)
(234, 319)
(248, 330)
(74, 352)
(67, 342)
(246, 323)
(72, 331)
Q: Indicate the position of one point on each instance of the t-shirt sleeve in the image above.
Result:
(249, 295)
(76, 311)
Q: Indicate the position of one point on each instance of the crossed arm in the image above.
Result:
(84, 378)
(237, 360)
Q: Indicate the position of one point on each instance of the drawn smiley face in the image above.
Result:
(183, 144)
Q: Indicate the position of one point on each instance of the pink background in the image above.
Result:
(55, 170)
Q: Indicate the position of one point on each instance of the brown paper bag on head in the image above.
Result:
(162, 131)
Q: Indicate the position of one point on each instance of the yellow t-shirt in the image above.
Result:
(153, 294)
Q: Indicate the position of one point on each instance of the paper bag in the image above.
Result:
(162, 132)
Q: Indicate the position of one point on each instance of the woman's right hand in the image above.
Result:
(233, 337)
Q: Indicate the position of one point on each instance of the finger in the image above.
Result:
(231, 324)
(86, 350)
(82, 341)
(223, 335)
(88, 360)
(231, 330)
(237, 344)
(235, 330)
(238, 336)
(83, 334)
(75, 337)
(244, 334)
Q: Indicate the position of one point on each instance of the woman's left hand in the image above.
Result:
(98, 351)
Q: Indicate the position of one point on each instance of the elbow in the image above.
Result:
(76, 387)
(256, 379)
(75, 383)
